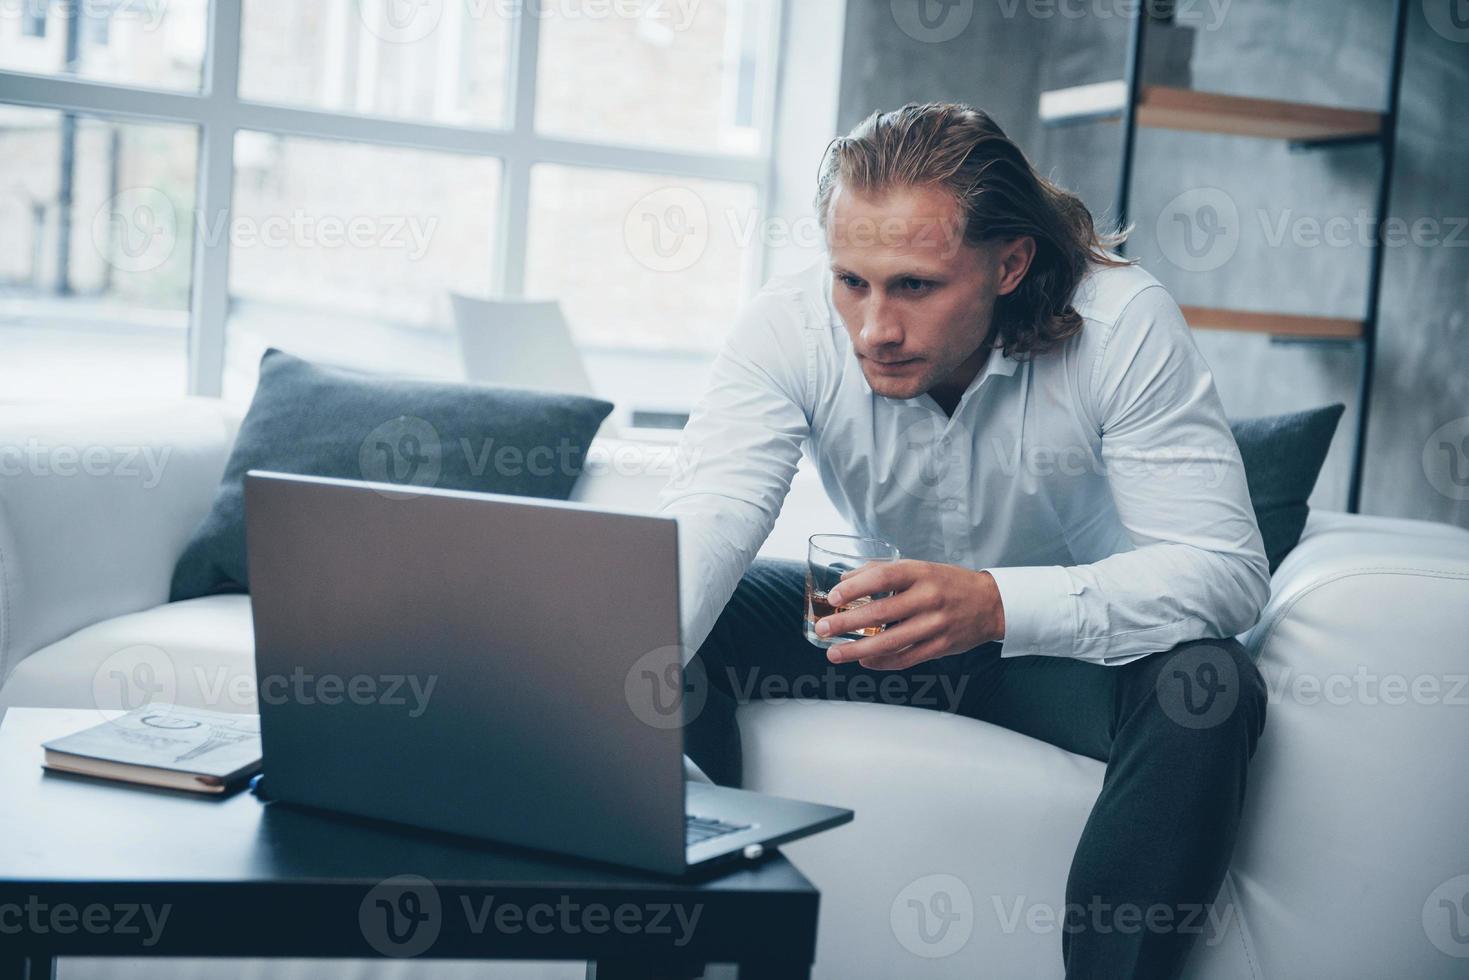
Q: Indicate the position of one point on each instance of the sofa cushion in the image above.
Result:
(328, 421)
(1283, 456)
(199, 653)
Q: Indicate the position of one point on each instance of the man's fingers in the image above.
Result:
(878, 612)
(888, 642)
(909, 657)
(881, 576)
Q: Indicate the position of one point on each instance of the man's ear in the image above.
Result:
(1014, 258)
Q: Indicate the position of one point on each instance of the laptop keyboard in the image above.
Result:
(697, 830)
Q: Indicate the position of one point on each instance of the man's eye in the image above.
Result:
(851, 282)
(915, 285)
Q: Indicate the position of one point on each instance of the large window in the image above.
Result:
(153, 43)
(184, 184)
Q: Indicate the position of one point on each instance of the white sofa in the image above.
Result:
(1354, 854)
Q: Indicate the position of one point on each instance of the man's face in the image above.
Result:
(916, 300)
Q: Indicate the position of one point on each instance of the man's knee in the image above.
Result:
(1209, 691)
(762, 613)
(766, 598)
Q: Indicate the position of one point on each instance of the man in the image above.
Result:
(980, 382)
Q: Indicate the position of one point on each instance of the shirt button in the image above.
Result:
(951, 505)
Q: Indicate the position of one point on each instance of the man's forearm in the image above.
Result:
(1130, 604)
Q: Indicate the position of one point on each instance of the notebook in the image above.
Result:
(164, 745)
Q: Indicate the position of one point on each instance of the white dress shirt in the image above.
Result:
(1098, 483)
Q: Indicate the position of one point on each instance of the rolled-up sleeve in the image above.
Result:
(738, 455)
(1197, 566)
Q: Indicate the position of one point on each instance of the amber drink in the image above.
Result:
(828, 558)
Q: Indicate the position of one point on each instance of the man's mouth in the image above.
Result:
(892, 365)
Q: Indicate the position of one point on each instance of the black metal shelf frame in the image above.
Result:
(1386, 140)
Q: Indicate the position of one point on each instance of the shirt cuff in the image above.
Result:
(1040, 617)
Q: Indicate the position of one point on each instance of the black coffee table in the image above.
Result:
(93, 868)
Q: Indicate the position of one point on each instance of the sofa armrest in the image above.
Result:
(96, 504)
(1358, 788)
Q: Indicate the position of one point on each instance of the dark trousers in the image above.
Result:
(1176, 730)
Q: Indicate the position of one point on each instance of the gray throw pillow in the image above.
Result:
(1283, 456)
(318, 420)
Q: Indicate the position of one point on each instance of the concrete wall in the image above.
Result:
(1293, 227)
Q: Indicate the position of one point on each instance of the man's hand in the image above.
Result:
(935, 610)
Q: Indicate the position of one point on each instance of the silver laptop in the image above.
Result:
(486, 665)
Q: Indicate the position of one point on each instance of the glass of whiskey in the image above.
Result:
(827, 557)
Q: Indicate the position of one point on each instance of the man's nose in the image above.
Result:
(880, 328)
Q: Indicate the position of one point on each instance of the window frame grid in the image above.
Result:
(218, 113)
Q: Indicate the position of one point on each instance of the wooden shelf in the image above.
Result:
(1275, 324)
(1164, 107)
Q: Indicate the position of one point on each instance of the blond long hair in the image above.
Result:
(1001, 197)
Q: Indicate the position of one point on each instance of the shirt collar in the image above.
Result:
(997, 364)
